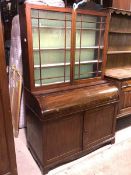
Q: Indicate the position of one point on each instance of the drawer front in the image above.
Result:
(98, 124)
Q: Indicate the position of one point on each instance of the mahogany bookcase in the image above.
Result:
(71, 109)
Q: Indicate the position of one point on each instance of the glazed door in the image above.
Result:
(7, 152)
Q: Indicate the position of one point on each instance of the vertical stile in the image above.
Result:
(65, 51)
(80, 46)
(105, 44)
(73, 45)
(99, 45)
(30, 46)
(39, 47)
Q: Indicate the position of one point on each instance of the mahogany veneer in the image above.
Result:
(64, 126)
(71, 110)
(122, 78)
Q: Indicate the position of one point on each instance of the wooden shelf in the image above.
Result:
(53, 27)
(68, 20)
(119, 73)
(68, 48)
(118, 52)
(58, 82)
(120, 32)
(66, 64)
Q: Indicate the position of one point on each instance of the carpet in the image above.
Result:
(110, 160)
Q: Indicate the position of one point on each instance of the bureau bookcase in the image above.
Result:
(70, 108)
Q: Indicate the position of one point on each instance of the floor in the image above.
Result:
(109, 160)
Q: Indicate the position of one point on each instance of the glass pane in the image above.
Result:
(84, 54)
(35, 23)
(35, 33)
(37, 74)
(55, 75)
(51, 15)
(48, 38)
(54, 57)
(34, 13)
(85, 71)
(36, 58)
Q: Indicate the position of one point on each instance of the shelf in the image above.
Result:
(58, 82)
(56, 19)
(68, 48)
(52, 27)
(119, 73)
(119, 32)
(66, 64)
(90, 22)
(118, 52)
(90, 29)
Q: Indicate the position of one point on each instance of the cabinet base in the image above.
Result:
(46, 168)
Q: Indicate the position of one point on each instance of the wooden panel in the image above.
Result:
(126, 99)
(4, 163)
(7, 152)
(122, 4)
(63, 137)
(34, 134)
(118, 60)
(126, 4)
(98, 124)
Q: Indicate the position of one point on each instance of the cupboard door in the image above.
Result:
(63, 137)
(98, 125)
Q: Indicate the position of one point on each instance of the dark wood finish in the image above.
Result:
(27, 45)
(94, 122)
(122, 78)
(125, 5)
(63, 119)
(119, 73)
(64, 126)
(118, 67)
(7, 152)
